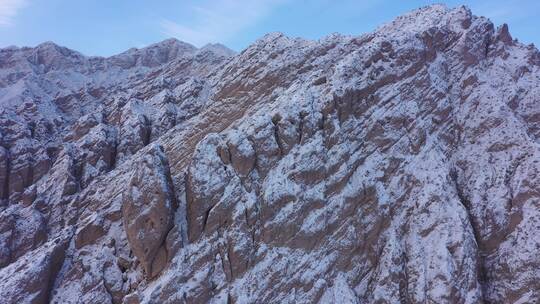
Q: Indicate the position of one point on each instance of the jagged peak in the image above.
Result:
(275, 39)
(154, 54)
(167, 44)
(435, 15)
(47, 44)
(435, 7)
(51, 46)
(52, 56)
(503, 34)
(218, 49)
(272, 36)
(10, 48)
(171, 43)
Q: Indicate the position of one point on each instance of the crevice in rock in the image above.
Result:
(404, 286)
(9, 246)
(230, 261)
(114, 154)
(107, 289)
(147, 132)
(180, 215)
(30, 177)
(464, 201)
(8, 173)
(206, 215)
(275, 121)
(301, 117)
(223, 267)
(59, 259)
(487, 46)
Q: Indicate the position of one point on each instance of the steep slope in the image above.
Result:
(399, 166)
(53, 97)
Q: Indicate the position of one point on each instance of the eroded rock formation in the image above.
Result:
(399, 166)
(148, 210)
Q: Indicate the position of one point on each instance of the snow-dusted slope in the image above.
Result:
(53, 97)
(399, 166)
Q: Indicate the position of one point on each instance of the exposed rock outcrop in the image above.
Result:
(148, 209)
(31, 278)
(400, 166)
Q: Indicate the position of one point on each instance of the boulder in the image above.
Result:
(148, 209)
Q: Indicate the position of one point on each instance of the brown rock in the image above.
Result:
(287, 134)
(242, 154)
(132, 298)
(206, 180)
(30, 279)
(135, 132)
(112, 279)
(6, 236)
(20, 169)
(98, 153)
(266, 146)
(90, 232)
(148, 207)
(23, 229)
(28, 196)
(504, 35)
(84, 125)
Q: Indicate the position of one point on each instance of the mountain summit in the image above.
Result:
(399, 166)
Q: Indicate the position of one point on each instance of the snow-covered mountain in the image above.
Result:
(400, 166)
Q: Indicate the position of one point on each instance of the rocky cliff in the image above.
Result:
(400, 166)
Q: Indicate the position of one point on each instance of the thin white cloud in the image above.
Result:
(8, 10)
(217, 21)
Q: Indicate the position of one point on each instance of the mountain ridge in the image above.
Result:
(163, 43)
(397, 166)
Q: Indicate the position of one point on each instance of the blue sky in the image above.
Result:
(107, 27)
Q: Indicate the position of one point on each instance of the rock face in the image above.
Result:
(148, 210)
(31, 278)
(400, 166)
